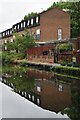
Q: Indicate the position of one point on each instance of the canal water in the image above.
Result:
(29, 92)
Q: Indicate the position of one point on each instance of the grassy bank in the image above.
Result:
(65, 70)
(72, 71)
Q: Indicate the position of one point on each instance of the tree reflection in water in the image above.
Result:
(74, 110)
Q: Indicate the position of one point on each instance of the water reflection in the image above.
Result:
(45, 89)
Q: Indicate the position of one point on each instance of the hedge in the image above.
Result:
(67, 70)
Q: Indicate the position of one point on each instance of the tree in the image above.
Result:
(21, 43)
(73, 110)
(26, 17)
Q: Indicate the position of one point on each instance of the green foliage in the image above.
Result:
(73, 110)
(18, 76)
(64, 47)
(26, 17)
(67, 70)
(11, 57)
(24, 63)
(24, 42)
(17, 49)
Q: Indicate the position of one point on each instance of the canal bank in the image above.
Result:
(66, 70)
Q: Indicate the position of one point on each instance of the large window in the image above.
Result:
(59, 34)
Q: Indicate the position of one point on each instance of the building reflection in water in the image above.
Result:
(50, 93)
(47, 91)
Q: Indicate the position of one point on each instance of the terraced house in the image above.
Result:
(50, 25)
(49, 28)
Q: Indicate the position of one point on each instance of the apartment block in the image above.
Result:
(49, 25)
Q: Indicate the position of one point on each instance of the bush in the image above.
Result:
(67, 70)
(63, 63)
(69, 64)
(24, 63)
(76, 65)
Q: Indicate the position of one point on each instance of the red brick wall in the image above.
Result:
(51, 21)
(36, 54)
(38, 50)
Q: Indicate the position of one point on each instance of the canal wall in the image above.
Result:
(67, 70)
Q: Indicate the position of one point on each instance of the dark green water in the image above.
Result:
(45, 89)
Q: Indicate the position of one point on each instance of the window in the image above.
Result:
(38, 34)
(32, 98)
(6, 32)
(10, 31)
(37, 19)
(29, 96)
(5, 41)
(14, 27)
(38, 101)
(59, 34)
(11, 40)
(37, 31)
(28, 23)
(3, 34)
(38, 89)
(31, 21)
(5, 48)
(24, 24)
(21, 25)
(60, 87)
(18, 26)
(45, 52)
(13, 36)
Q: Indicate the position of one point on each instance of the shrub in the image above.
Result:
(76, 65)
(24, 63)
(69, 64)
(63, 63)
(67, 70)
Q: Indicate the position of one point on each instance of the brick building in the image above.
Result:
(47, 27)
(53, 24)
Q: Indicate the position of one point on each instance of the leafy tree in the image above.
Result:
(26, 17)
(73, 110)
(21, 43)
